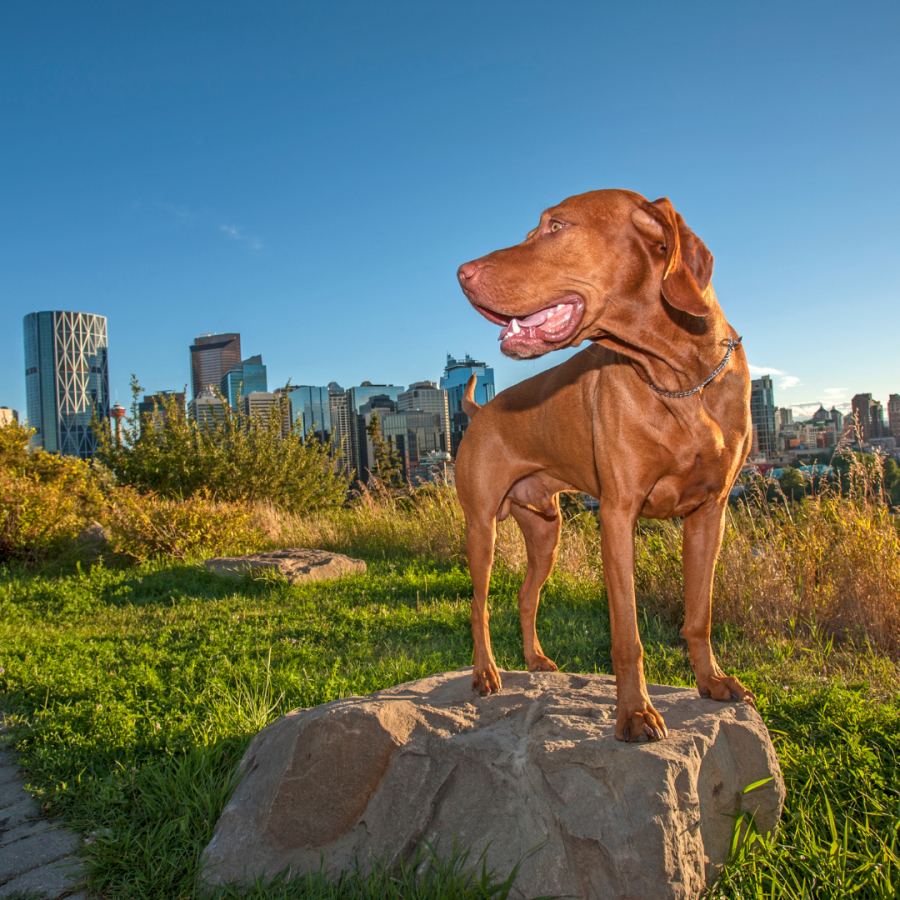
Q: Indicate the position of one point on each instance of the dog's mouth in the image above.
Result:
(550, 325)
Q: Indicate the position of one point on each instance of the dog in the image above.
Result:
(652, 419)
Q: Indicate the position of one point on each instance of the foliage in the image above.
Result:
(148, 526)
(388, 465)
(133, 694)
(45, 500)
(237, 458)
(792, 483)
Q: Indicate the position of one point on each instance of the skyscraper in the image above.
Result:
(869, 415)
(245, 378)
(456, 373)
(212, 355)
(762, 412)
(428, 397)
(357, 397)
(66, 379)
(894, 416)
(311, 405)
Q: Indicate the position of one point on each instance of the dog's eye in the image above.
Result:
(555, 226)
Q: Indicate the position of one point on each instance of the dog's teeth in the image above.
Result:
(515, 326)
(561, 305)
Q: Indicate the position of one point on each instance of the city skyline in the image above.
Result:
(314, 176)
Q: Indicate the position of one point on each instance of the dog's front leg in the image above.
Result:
(702, 539)
(636, 717)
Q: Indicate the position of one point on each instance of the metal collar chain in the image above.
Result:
(732, 343)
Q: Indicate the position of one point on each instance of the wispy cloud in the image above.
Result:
(787, 382)
(248, 240)
(764, 370)
(805, 410)
(208, 220)
(835, 393)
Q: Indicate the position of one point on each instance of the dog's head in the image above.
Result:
(602, 266)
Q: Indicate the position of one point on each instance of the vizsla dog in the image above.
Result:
(652, 419)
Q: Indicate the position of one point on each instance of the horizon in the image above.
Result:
(312, 177)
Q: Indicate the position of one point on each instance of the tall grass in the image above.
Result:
(828, 565)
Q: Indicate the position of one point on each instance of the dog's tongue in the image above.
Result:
(535, 320)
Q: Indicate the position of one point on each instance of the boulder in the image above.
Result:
(93, 540)
(532, 774)
(298, 566)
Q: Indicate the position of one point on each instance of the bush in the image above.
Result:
(148, 526)
(45, 500)
(239, 459)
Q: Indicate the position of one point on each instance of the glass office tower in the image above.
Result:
(456, 374)
(247, 378)
(66, 379)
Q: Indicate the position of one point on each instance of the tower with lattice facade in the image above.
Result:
(66, 379)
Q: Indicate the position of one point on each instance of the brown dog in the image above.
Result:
(619, 421)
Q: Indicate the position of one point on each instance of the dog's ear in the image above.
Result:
(689, 264)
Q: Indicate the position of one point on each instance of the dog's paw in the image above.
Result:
(486, 680)
(723, 688)
(540, 663)
(641, 724)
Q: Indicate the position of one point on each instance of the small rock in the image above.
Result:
(298, 566)
(533, 774)
(94, 539)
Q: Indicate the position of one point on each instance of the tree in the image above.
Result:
(793, 484)
(388, 465)
(235, 457)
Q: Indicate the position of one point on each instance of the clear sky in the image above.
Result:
(312, 174)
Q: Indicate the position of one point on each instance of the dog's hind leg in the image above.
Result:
(542, 542)
(480, 537)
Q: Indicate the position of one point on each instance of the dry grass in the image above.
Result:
(829, 565)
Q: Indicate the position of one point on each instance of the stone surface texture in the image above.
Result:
(533, 773)
(36, 855)
(94, 539)
(298, 566)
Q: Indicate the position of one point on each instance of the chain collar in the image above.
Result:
(732, 343)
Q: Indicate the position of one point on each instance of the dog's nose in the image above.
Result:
(466, 272)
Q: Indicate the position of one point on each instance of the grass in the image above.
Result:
(136, 690)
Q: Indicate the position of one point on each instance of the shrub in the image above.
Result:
(148, 526)
(45, 500)
(239, 459)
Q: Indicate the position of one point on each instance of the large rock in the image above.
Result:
(532, 773)
(298, 566)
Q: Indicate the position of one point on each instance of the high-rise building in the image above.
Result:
(157, 405)
(258, 404)
(7, 415)
(428, 397)
(212, 355)
(206, 409)
(416, 434)
(869, 416)
(66, 380)
(380, 405)
(245, 378)
(341, 423)
(894, 416)
(838, 418)
(762, 412)
(456, 373)
(357, 397)
(311, 406)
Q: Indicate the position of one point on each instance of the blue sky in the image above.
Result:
(312, 174)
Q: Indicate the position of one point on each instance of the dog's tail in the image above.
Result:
(470, 407)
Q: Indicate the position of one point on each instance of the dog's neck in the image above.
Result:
(674, 351)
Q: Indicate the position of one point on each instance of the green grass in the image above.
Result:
(135, 692)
